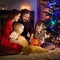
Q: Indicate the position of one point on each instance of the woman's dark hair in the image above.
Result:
(13, 13)
(23, 11)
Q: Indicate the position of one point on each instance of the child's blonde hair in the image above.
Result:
(17, 26)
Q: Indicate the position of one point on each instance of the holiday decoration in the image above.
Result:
(54, 14)
(35, 42)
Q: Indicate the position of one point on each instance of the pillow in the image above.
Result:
(22, 41)
(33, 50)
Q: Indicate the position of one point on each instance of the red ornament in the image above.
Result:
(35, 42)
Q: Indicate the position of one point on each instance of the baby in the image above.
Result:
(16, 37)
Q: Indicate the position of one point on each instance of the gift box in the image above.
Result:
(35, 42)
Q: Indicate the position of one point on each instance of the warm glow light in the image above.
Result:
(25, 6)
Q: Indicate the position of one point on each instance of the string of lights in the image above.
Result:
(52, 23)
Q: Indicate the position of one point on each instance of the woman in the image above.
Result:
(4, 39)
(39, 32)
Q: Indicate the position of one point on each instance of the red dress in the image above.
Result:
(4, 39)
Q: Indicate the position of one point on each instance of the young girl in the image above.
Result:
(16, 37)
(39, 32)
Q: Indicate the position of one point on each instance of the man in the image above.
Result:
(25, 20)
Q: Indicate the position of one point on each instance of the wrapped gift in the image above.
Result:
(35, 42)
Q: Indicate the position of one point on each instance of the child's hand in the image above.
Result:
(42, 42)
(28, 34)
